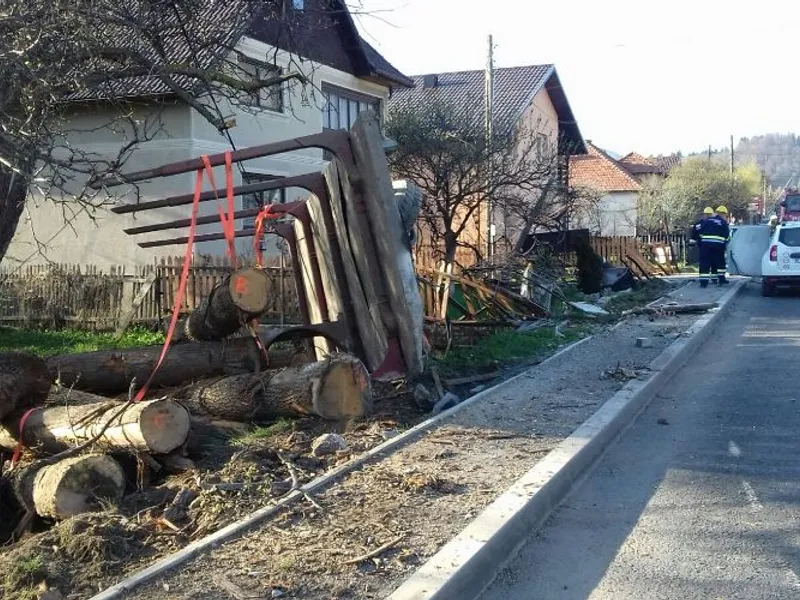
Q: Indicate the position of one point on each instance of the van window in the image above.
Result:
(790, 237)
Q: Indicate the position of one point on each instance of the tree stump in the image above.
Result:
(71, 486)
(335, 388)
(237, 299)
(24, 381)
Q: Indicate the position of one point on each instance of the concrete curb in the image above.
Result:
(257, 517)
(467, 564)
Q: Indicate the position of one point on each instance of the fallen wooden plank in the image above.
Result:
(394, 252)
(671, 308)
(137, 302)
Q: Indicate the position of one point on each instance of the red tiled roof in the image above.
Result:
(634, 158)
(598, 171)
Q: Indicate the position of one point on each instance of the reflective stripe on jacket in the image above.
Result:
(715, 230)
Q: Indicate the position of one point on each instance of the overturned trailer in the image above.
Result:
(350, 246)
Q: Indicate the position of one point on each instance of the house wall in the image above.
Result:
(302, 115)
(617, 214)
(64, 232)
(98, 238)
(539, 118)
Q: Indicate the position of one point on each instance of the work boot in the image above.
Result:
(704, 284)
(723, 281)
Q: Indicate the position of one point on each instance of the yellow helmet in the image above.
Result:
(708, 210)
(722, 209)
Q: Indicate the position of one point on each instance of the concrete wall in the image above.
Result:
(97, 237)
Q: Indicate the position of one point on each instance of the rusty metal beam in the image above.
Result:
(335, 141)
(308, 181)
(180, 223)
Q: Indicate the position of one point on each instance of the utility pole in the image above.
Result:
(733, 182)
(709, 153)
(489, 98)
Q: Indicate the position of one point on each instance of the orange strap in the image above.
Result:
(176, 308)
(228, 226)
(265, 215)
(20, 444)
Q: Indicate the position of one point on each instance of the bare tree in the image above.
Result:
(59, 54)
(447, 153)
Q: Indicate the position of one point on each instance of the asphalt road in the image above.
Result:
(700, 498)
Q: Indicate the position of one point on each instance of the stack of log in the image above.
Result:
(67, 415)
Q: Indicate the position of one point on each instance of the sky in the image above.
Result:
(650, 77)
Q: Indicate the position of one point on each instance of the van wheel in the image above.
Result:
(767, 289)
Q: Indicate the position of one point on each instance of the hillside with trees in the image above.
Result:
(777, 154)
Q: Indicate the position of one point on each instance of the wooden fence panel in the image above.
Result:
(85, 297)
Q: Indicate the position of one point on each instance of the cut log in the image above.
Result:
(24, 381)
(155, 426)
(110, 371)
(335, 388)
(72, 486)
(237, 299)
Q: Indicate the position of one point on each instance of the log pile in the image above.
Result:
(72, 440)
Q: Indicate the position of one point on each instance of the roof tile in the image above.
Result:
(598, 171)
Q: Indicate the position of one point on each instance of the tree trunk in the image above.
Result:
(335, 388)
(155, 426)
(24, 381)
(237, 299)
(72, 486)
(13, 193)
(111, 371)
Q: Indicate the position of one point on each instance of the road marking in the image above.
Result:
(734, 450)
(752, 498)
(794, 580)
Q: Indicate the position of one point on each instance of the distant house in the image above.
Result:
(529, 96)
(618, 183)
(347, 76)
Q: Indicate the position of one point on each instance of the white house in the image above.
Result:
(345, 76)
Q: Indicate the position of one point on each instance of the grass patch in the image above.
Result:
(506, 348)
(261, 434)
(69, 341)
(23, 575)
(644, 293)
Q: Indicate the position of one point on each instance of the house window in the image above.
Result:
(260, 199)
(270, 98)
(342, 107)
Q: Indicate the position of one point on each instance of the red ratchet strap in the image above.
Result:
(20, 443)
(187, 260)
(228, 226)
(265, 215)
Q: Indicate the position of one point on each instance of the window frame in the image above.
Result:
(253, 177)
(346, 99)
(260, 98)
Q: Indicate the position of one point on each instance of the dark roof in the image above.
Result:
(382, 67)
(214, 27)
(514, 90)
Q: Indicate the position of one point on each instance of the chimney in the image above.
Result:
(430, 81)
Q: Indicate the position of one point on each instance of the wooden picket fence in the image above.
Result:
(85, 297)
